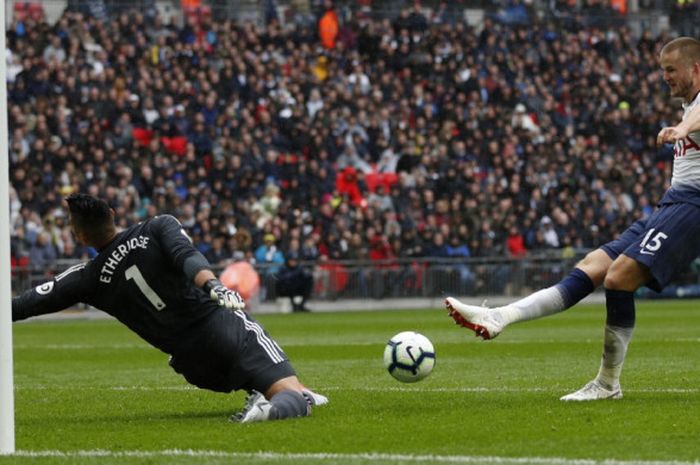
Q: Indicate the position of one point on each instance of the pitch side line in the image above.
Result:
(345, 388)
(369, 457)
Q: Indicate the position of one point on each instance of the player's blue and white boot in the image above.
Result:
(593, 391)
(481, 320)
(256, 408)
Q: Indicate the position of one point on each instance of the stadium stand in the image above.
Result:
(408, 138)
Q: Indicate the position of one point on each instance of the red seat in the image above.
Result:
(33, 10)
(176, 145)
(142, 136)
(20, 11)
(36, 11)
(384, 179)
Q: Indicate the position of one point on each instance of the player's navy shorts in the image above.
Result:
(666, 242)
(616, 247)
(231, 351)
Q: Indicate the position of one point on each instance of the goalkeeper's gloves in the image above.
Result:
(223, 295)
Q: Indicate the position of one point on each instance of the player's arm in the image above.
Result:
(183, 255)
(52, 296)
(671, 134)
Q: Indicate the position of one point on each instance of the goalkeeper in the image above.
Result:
(152, 279)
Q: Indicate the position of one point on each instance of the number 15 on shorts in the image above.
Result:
(652, 242)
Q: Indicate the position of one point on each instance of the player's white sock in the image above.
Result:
(566, 293)
(615, 348)
(542, 303)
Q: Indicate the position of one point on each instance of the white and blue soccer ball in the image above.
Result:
(409, 356)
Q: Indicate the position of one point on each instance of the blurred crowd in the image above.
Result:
(416, 136)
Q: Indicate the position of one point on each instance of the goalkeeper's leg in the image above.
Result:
(285, 398)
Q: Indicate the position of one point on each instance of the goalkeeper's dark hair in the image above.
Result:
(90, 215)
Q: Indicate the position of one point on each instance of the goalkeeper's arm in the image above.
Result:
(176, 242)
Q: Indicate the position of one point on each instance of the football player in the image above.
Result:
(151, 278)
(648, 253)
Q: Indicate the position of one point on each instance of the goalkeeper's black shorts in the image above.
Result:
(229, 351)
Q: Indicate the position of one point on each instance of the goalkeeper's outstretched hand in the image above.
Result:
(223, 295)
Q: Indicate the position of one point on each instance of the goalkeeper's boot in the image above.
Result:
(256, 408)
(481, 320)
(593, 391)
(314, 398)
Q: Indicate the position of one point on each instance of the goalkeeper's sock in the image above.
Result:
(566, 293)
(618, 333)
(289, 404)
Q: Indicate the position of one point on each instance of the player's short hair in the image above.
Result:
(688, 47)
(90, 215)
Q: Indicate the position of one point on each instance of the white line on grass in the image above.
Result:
(336, 342)
(107, 388)
(368, 457)
(489, 389)
(81, 346)
(348, 388)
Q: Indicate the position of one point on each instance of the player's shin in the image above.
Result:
(289, 404)
(284, 404)
(618, 333)
(541, 303)
(566, 293)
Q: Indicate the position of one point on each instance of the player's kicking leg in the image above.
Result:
(489, 322)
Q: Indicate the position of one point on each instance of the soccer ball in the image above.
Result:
(409, 357)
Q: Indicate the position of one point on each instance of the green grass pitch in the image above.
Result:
(92, 392)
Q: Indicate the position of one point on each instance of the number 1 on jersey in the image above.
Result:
(134, 273)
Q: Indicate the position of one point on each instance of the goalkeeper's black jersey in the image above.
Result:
(138, 278)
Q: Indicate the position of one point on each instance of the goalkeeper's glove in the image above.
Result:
(223, 295)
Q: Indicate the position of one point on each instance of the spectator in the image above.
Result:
(515, 244)
(521, 119)
(217, 254)
(42, 254)
(328, 26)
(54, 52)
(465, 276)
(294, 281)
(269, 257)
(551, 238)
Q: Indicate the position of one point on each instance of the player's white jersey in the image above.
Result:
(686, 158)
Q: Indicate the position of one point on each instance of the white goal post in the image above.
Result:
(7, 401)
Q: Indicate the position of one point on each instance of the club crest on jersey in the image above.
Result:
(683, 146)
(44, 288)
